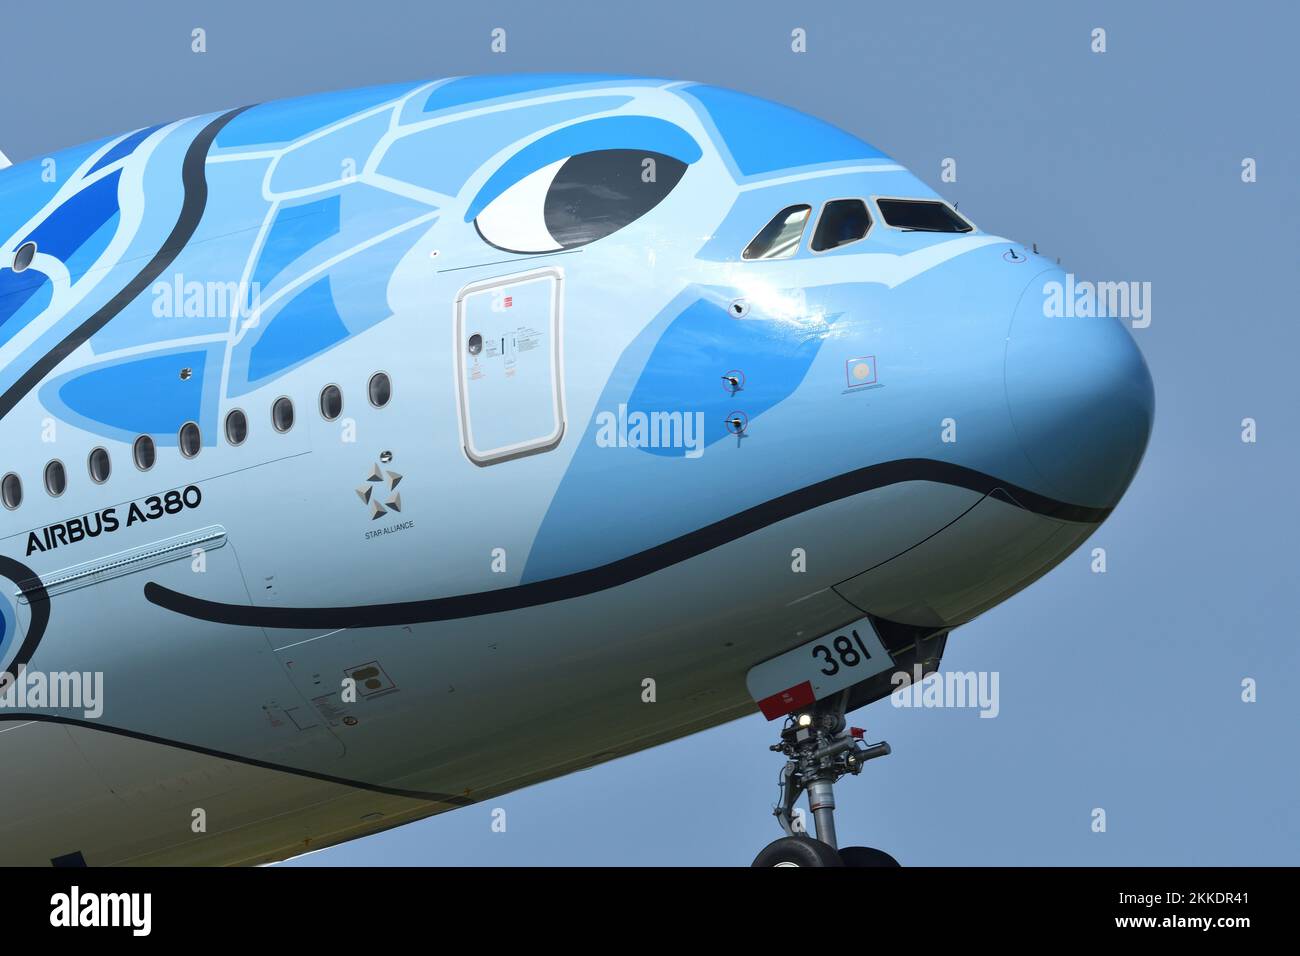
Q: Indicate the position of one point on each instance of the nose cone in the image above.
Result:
(1080, 396)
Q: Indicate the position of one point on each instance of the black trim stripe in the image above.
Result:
(422, 795)
(632, 567)
(26, 580)
(195, 182)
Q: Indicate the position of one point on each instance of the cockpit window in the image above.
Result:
(842, 221)
(922, 215)
(780, 237)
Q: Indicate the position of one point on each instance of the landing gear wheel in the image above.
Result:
(820, 748)
(866, 856)
(797, 851)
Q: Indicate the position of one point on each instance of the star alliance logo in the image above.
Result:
(370, 492)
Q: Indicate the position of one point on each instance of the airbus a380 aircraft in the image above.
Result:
(370, 455)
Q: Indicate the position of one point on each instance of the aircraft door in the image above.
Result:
(509, 366)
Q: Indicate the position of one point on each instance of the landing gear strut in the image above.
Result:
(820, 749)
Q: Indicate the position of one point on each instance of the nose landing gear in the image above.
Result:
(819, 750)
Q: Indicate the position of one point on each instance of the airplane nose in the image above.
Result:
(1080, 397)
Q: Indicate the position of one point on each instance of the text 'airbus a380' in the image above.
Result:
(373, 454)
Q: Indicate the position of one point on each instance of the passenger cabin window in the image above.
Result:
(11, 491)
(780, 237)
(922, 215)
(189, 439)
(842, 221)
(331, 402)
(380, 389)
(236, 427)
(99, 466)
(56, 479)
(144, 453)
(282, 414)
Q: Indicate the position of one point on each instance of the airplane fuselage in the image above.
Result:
(382, 452)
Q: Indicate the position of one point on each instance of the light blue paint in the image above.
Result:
(751, 212)
(359, 283)
(368, 210)
(754, 208)
(296, 229)
(613, 132)
(479, 89)
(462, 147)
(271, 124)
(140, 396)
(320, 162)
(1080, 397)
(684, 372)
(241, 207)
(676, 365)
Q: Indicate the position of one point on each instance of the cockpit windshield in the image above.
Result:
(780, 237)
(921, 215)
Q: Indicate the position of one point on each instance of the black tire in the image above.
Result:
(797, 851)
(866, 856)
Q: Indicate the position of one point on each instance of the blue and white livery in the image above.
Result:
(373, 454)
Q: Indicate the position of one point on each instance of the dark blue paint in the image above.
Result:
(25, 189)
(16, 289)
(684, 371)
(125, 147)
(140, 396)
(69, 226)
(306, 326)
(81, 261)
(296, 229)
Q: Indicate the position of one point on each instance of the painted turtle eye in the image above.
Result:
(578, 200)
